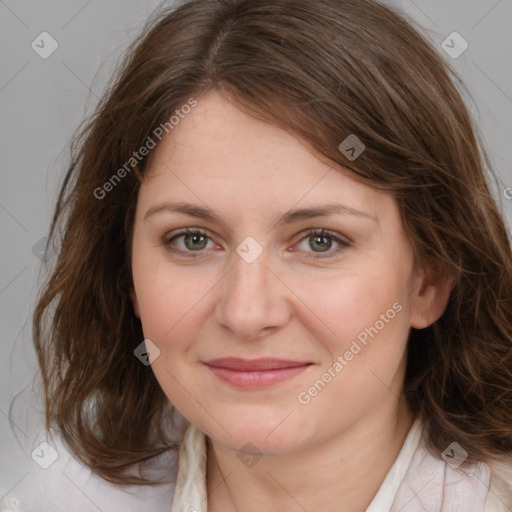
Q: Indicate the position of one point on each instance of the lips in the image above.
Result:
(255, 373)
(254, 365)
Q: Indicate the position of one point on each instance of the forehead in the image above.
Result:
(221, 156)
(219, 137)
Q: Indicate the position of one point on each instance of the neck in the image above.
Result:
(342, 474)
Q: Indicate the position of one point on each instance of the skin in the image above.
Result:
(295, 301)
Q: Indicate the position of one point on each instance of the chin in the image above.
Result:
(262, 435)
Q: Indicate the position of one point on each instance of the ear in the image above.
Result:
(135, 303)
(430, 295)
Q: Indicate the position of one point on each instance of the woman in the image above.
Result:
(277, 227)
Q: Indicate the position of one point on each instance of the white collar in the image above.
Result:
(416, 480)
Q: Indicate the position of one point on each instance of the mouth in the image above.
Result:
(255, 373)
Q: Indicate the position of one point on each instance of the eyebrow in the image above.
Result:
(288, 217)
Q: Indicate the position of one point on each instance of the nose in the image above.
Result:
(252, 300)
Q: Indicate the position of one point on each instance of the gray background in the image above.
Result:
(43, 101)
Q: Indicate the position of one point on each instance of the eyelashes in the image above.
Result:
(322, 234)
(199, 237)
(188, 234)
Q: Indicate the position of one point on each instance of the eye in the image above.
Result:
(321, 241)
(194, 240)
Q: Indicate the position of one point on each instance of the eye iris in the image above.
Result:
(195, 237)
(323, 245)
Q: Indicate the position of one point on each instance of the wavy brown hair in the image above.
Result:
(322, 70)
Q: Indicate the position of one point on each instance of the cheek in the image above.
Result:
(168, 299)
(365, 322)
(369, 317)
(345, 306)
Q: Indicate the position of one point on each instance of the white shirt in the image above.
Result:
(416, 482)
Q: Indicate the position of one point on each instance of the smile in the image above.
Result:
(256, 373)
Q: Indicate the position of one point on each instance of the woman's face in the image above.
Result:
(253, 284)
